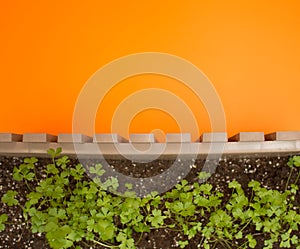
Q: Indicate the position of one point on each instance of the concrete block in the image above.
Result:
(74, 138)
(248, 137)
(178, 137)
(39, 137)
(209, 137)
(142, 138)
(108, 138)
(283, 136)
(10, 137)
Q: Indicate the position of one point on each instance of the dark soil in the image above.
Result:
(270, 170)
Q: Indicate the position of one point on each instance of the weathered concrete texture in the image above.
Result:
(248, 137)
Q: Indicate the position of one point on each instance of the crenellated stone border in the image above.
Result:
(113, 145)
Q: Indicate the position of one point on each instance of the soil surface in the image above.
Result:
(270, 170)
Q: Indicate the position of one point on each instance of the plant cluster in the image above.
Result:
(69, 209)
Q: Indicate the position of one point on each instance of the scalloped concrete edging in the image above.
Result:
(146, 145)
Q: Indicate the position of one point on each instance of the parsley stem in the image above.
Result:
(288, 180)
(102, 244)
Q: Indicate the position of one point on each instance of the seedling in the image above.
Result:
(87, 211)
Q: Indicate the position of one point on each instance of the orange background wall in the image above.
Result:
(250, 50)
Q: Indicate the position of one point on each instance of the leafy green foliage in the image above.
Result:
(3, 219)
(54, 153)
(156, 219)
(24, 171)
(85, 210)
(294, 161)
(183, 244)
(9, 198)
(97, 170)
